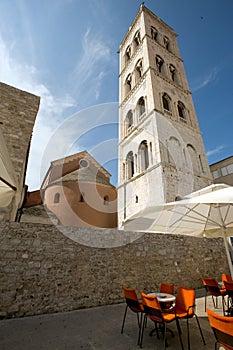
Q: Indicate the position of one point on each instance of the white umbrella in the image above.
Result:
(205, 213)
(8, 181)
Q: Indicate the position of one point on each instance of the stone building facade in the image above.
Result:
(18, 111)
(222, 171)
(161, 151)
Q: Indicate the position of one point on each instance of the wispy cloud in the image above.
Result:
(89, 69)
(214, 151)
(201, 82)
(52, 108)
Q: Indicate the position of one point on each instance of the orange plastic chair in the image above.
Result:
(185, 308)
(169, 289)
(212, 288)
(154, 312)
(222, 327)
(226, 277)
(229, 292)
(134, 305)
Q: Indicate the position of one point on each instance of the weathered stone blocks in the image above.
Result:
(43, 271)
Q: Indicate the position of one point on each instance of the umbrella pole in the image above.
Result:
(227, 250)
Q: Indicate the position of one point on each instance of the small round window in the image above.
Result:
(83, 163)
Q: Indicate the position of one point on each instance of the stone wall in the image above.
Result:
(43, 270)
(18, 111)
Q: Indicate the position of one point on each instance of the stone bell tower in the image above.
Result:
(161, 151)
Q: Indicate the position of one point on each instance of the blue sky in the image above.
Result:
(66, 52)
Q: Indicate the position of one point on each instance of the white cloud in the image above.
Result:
(52, 108)
(214, 151)
(89, 68)
(204, 81)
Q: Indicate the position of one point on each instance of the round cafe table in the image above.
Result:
(163, 297)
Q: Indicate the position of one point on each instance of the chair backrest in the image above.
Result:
(185, 301)
(211, 286)
(152, 307)
(222, 327)
(229, 288)
(167, 288)
(131, 299)
(226, 277)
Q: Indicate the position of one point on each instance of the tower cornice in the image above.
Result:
(131, 27)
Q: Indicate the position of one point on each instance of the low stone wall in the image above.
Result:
(43, 270)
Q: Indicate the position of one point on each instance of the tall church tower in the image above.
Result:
(161, 151)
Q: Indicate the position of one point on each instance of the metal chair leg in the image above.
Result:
(142, 329)
(188, 333)
(139, 331)
(123, 323)
(203, 339)
(179, 333)
(165, 335)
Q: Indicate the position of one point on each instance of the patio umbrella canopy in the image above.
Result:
(205, 213)
(8, 182)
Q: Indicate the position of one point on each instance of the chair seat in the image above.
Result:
(167, 317)
(184, 314)
(140, 308)
(221, 292)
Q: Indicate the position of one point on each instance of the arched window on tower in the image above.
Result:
(166, 102)
(127, 54)
(194, 159)
(160, 64)
(56, 198)
(154, 34)
(166, 42)
(182, 111)
(138, 70)
(143, 155)
(137, 38)
(173, 73)
(141, 106)
(130, 165)
(201, 164)
(128, 84)
(129, 121)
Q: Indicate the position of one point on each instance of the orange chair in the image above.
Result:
(222, 327)
(133, 303)
(185, 308)
(212, 288)
(229, 292)
(226, 277)
(154, 312)
(169, 289)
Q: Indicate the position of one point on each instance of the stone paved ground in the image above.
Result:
(95, 329)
